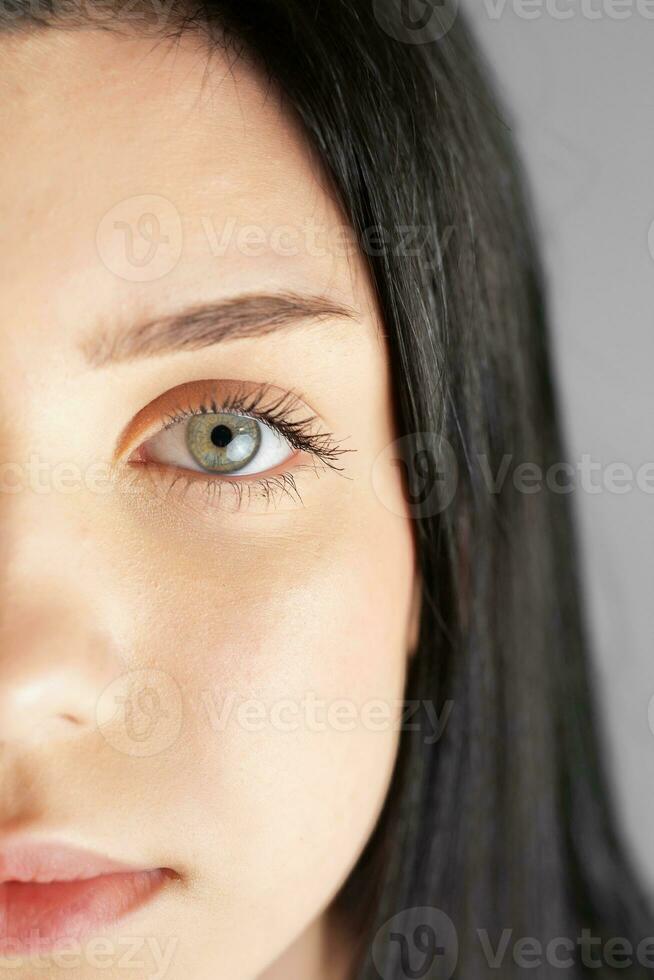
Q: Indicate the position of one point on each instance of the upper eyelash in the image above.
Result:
(298, 432)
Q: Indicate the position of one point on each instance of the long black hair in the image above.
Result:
(504, 822)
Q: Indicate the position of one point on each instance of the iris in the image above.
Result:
(222, 442)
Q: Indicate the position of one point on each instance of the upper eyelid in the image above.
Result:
(188, 397)
(234, 408)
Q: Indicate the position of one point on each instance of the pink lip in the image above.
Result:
(50, 892)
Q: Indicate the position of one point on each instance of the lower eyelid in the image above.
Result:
(198, 492)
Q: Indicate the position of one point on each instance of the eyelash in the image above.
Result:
(300, 434)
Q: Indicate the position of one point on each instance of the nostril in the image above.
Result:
(42, 728)
(70, 719)
(59, 702)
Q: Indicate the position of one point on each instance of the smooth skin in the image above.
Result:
(127, 584)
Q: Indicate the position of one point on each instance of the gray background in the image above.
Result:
(580, 96)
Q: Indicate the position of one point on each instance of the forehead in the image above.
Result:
(124, 112)
(142, 169)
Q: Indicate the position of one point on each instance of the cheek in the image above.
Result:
(290, 647)
(284, 654)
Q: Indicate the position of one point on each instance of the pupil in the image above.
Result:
(221, 436)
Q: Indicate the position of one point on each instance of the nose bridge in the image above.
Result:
(57, 648)
(53, 491)
(46, 550)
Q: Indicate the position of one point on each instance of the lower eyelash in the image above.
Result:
(242, 492)
(267, 488)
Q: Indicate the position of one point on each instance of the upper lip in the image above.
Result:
(44, 862)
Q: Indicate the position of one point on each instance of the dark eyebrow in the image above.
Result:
(206, 324)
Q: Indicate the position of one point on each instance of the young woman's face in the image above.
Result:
(206, 618)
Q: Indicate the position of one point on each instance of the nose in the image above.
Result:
(54, 664)
(60, 597)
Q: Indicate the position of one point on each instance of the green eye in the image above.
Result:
(221, 442)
